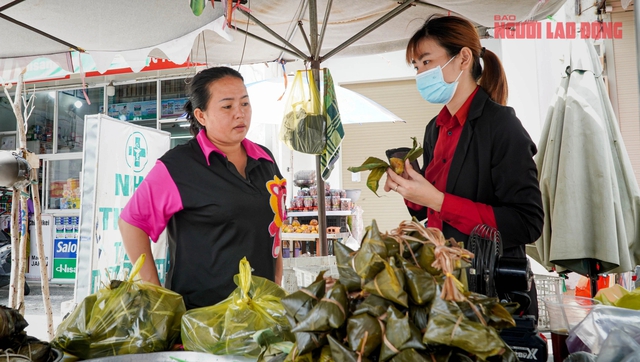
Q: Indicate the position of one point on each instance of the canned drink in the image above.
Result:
(308, 201)
(345, 204)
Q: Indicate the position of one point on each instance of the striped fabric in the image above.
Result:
(335, 131)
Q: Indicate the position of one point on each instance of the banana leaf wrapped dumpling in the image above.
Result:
(71, 335)
(490, 309)
(298, 305)
(364, 333)
(125, 318)
(419, 316)
(253, 306)
(400, 334)
(389, 284)
(369, 259)
(344, 354)
(329, 313)
(409, 355)
(421, 285)
(449, 326)
(374, 305)
(348, 277)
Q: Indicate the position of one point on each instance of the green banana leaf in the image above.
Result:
(294, 356)
(400, 335)
(272, 343)
(344, 354)
(421, 284)
(378, 167)
(35, 349)
(389, 284)
(299, 303)
(409, 355)
(419, 316)
(415, 152)
(490, 308)
(11, 322)
(374, 306)
(325, 355)
(426, 256)
(329, 313)
(360, 325)
(393, 248)
(348, 277)
(369, 259)
(448, 325)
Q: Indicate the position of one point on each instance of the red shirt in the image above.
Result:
(463, 214)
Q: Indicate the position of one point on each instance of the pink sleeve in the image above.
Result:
(464, 214)
(154, 202)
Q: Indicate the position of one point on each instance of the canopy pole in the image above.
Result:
(327, 11)
(376, 24)
(304, 36)
(290, 51)
(273, 33)
(315, 69)
(636, 20)
(38, 31)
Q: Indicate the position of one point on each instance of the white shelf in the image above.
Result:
(315, 213)
(311, 236)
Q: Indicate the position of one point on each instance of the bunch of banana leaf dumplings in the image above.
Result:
(400, 297)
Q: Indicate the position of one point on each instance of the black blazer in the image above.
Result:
(493, 164)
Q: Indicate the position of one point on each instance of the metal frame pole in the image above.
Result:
(315, 69)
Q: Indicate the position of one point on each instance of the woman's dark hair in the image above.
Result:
(454, 33)
(199, 92)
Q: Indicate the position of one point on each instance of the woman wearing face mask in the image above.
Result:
(478, 165)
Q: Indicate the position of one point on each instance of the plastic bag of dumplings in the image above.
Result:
(227, 328)
(123, 318)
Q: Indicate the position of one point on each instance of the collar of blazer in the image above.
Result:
(475, 111)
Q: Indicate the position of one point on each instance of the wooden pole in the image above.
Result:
(15, 234)
(22, 252)
(18, 263)
(16, 105)
(44, 271)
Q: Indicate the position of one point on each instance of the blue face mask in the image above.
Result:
(432, 86)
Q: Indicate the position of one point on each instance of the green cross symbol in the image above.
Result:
(137, 152)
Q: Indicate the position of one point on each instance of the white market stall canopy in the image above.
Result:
(136, 29)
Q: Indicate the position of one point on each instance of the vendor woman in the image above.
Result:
(220, 196)
(478, 165)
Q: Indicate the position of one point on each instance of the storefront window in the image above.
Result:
(179, 132)
(40, 124)
(7, 118)
(135, 103)
(72, 107)
(63, 178)
(173, 93)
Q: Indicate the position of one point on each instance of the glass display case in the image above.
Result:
(72, 107)
(63, 184)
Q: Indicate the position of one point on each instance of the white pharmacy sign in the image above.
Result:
(117, 157)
